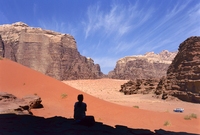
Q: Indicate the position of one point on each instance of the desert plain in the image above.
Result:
(104, 101)
(108, 90)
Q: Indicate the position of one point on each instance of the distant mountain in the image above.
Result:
(146, 66)
(51, 53)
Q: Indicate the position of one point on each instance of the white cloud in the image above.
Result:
(118, 21)
(169, 18)
(115, 24)
(172, 29)
(91, 13)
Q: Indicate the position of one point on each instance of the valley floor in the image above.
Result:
(108, 89)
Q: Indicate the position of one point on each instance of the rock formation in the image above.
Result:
(146, 66)
(51, 53)
(11, 104)
(1, 47)
(183, 75)
(139, 86)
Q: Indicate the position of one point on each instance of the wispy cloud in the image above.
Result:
(168, 20)
(115, 24)
(123, 46)
(52, 24)
(56, 25)
(3, 17)
(117, 21)
(170, 30)
(35, 9)
(93, 15)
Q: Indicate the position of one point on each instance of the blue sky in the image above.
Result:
(107, 30)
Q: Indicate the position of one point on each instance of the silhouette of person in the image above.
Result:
(79, 109)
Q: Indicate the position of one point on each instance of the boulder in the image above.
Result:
(5, 97)
(34, 101)
(11, 104)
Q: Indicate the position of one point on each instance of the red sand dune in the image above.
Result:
(20, 81)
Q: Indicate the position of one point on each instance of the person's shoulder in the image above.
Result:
(76, 103)
(84, 103)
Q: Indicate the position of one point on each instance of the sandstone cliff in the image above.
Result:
(183, 75)
(1, 47)
(146, 66)
(48, 52)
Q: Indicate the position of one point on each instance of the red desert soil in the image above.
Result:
(20, 81)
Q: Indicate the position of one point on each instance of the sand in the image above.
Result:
(108, 90)
(21, 81)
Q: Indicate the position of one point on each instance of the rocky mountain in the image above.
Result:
(51, 53)
(146, 66)
(183, 75)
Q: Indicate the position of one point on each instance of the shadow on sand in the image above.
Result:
(11, 124)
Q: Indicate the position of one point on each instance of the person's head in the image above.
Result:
(80, 97)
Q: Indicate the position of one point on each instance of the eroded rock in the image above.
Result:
(139, 86)
(183, 75)
(11, 104)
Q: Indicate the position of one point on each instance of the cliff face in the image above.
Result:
(48, 52)
(146, 66)
(183, 75)
(1, 47)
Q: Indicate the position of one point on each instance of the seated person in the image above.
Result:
(79, 109)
